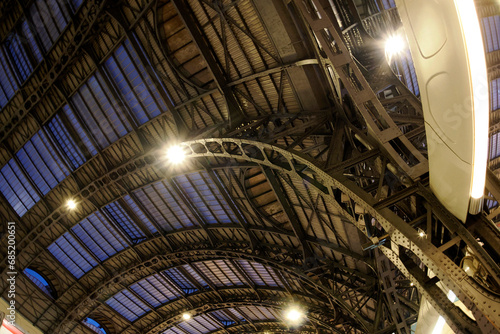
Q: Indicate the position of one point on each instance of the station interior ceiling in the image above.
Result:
(302, 202)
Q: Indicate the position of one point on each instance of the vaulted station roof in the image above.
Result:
(281, 189)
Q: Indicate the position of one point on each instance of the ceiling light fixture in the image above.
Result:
(479, 81)
(294, 315)
(394, 45)
(186, 316)
(176, 154)
(71, 204)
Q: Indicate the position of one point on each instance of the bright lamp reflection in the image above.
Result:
(186, 316)
(176, 154)
(393, 46)
(478, 74)
(71, 204)
(294, 315)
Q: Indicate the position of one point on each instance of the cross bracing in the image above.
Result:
(305, 153)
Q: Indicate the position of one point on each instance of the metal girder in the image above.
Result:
(235, 112)
(401, 233)
(309, 257)
(325, 26)
(137, 271)
(51, 67)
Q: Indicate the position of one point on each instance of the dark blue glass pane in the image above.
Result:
(127, 305)
(83, 137)
(94, 325)
(101, 113)
(122, 219)
(39, 159)
(65, 142)
(8, 84)
(72, 255)
(178, 278)
(99, 236)
(16, 188)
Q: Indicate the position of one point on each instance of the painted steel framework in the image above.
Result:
(306, 171)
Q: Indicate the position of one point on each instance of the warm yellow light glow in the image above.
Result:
(478, 75)
(421, 234)
(71, 204)
(176, 154)
(294, 315)
(186, 316)
(393, 46)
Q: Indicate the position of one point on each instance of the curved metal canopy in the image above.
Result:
(305, 171)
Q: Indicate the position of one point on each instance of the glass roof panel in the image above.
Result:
(161, 202)
(42, 163)
(205, 196)
(182, 281)
(99, 236)
(116, 212)
(155, 290)
(491, 32)
(16, 188)
(72, 255)
(128, 305)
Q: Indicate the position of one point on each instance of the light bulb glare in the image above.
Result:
(176, 154)
(71, 204)
(393, 46)
(186, 316)
(294, 315)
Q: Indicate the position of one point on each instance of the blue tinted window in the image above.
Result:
(101, 113)
(206, 197)
(17, 189)
(83, 138)
(30, 41)
(178, 278)
(134, 83)
(122, 219)
(99, 236)
(139, 213)
(72, 255)
(39, 280)
(18, 57)
(94, 325)
(50, 17)
(491, 32)
(8, 83)
(162, 204)
(127, 305)
(41, 163)
(495, 93)
(155, 290)
(65, 142)
(389, 4)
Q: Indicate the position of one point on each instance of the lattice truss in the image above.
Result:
(306, 170)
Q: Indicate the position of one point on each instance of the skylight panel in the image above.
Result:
(41, 162)
(491, 32)
(219, 273)
(155, 290)
(128, 305)
(122, 219)
(139, 213)
(16, 188)
(178, 278)
(206, 198)
(77, 126)
(19, 57)
(160, 202)
(65, 142)
(135, 85)
(259, 274)
(72, 255)
(8, 84)
(100, 112)
(99, 236)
